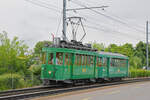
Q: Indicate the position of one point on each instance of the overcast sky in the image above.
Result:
(123, 21)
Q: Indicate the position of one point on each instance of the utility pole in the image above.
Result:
(64, 19)
(65, 16)
(147, 60)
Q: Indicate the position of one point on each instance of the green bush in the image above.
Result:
(6, 81)
(35, 77)
(139, 73)
(19, 81)
(32, 81)
(35, 69)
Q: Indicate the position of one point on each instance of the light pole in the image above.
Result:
(147, 60)
(64, 20)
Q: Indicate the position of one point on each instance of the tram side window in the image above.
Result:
(79, 60)
(112, 62)
(67, 59)
(104, 62)
(59, 58)
(99, 62)
(43, 58)
(91, 61)
(123, 63)
(76, 59)
(118, 62)
(50, 58)
(88, 60)
(84, 58)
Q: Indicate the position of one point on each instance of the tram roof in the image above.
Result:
(111, 54)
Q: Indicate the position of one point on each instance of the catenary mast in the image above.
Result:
(64, 19)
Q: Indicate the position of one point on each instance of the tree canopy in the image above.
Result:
(137, 54)
(14, 54)
(39, 45)
(98, 46)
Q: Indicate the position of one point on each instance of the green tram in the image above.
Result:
(63, 65)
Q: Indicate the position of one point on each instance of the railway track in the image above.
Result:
(43, 91)
(26, 90)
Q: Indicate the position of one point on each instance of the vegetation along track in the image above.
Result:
(43, 91)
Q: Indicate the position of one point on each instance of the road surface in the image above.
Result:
(134, 91)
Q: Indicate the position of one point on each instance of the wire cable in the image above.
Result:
(121, 18)
(40, 4)
(95, 23)
(112, 31)
(60, 19)
(109, 17)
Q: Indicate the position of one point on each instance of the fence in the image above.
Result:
(14, 81)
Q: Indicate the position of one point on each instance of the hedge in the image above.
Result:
(6, 81)
(134, 73)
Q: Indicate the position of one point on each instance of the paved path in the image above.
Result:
(139, 91)
(134, 91)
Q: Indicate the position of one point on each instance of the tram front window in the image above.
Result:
(51, 59)
(59, 58)
(43, 58)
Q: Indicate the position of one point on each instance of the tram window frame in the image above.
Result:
(82, 61)
(99, 61)
(69, 59)
(84, 58)
(76, 60)
(91, 61)
(113, 62)
(88, 60)
(50, 58)
(59, 57)
(118, 62)
(123, 62)
(79, 60)
(105, 62)
(66, 59)
(44, 58)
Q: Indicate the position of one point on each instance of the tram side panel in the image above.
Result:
(118, 68)
(83, 67)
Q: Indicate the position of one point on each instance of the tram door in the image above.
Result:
(68, 58)
(103, 67)
(76, 72)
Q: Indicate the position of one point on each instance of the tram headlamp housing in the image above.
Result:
(49, 72)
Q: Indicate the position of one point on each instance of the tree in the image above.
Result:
(135, 62)
(14, 54)
(98, 46)
(38, 47)
(140, 51)
(38, 50)
(112, 48)
(126, 49)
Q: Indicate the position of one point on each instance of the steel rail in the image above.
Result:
(25, 90)
(69, 89)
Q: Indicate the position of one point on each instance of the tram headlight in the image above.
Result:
(49, 72)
